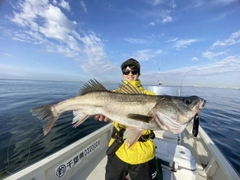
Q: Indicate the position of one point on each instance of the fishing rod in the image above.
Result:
(180, 90)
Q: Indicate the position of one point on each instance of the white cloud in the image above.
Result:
(155, 2)
(94, 51)
(7, 54)
(160, 15)
(232, 40)
(44, 23)
(173, 4)
(172, 40)
(11, 70)
(229, 64)
(83, 5)
(222, 2)
(151, 24)
(64, 5)
(184, 43)
(27, 36)
(194, 59)
(55, 2)
(221, 16)
(210, 4)
(199, 75)
(146, 54)
(212, 55)
(56, 25)
(136, 41)
(16, 72)
(166, 19)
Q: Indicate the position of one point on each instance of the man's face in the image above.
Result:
(130, 74)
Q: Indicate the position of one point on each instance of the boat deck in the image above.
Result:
(99, 170)
(200, 175)
(90, 152)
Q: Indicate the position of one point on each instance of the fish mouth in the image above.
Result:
(200, 105)
(178, 120)
(174, 114)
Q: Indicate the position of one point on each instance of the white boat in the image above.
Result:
(182, 157)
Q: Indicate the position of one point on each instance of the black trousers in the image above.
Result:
(116, 169)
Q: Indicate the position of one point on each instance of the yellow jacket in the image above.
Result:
(140, 152)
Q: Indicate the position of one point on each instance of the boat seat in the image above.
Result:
(177, 161)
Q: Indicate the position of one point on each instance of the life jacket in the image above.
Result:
(141, 151)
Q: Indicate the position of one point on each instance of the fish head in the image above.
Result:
(173, 113)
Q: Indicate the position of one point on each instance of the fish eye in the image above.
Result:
(187, 101)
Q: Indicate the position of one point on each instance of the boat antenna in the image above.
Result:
(159, 68)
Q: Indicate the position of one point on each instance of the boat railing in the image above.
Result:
(84, 154)
(217, 159)
(210, 159)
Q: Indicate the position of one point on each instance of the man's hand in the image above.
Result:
(100, 117)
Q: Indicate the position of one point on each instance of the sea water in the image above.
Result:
(21, 135)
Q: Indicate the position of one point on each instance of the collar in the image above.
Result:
(136, 84)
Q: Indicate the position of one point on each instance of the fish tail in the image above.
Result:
(46, 113)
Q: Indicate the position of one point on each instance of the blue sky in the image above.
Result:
(194, 42)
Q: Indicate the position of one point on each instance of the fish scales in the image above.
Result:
(127, 106)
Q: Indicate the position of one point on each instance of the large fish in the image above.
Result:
(127, 106)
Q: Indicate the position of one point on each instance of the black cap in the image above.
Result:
(131, 62)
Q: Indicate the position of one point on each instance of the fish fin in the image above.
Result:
(131, 136)
(139, 117)
(128, 88)
(79, 118)
(171, 124)
(91, 86)
(46, 113)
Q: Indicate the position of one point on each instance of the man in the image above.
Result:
(139, 160)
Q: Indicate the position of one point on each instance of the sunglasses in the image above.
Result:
(133, 71)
